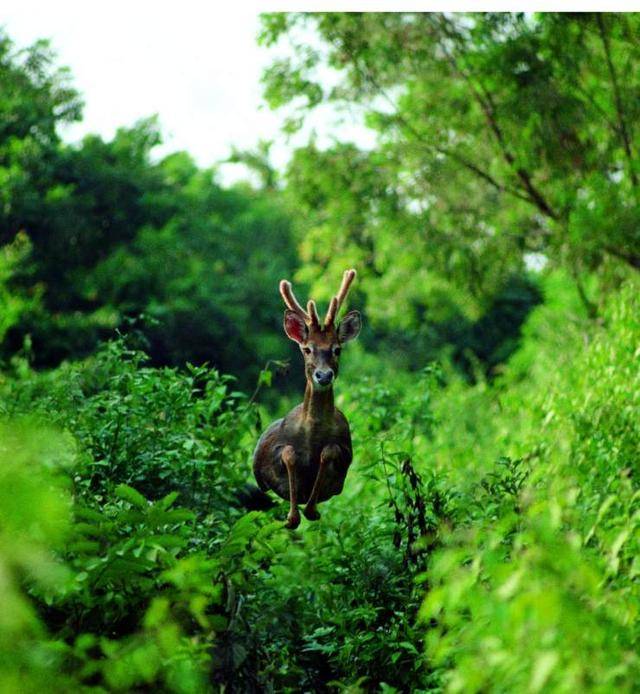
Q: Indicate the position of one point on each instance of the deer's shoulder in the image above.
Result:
(340, 420)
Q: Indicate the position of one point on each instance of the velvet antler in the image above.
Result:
(338, 299)
(310, 316)
(313, 313)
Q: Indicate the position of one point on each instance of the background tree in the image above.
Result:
(109, 235)
(498, 135)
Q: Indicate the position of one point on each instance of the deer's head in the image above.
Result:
(320, 344)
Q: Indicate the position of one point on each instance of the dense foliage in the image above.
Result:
(116, 237)
(499, 136)
(101, 236)
(487, 538)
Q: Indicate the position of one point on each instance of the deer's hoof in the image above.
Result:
(293, 520)
(311, 513)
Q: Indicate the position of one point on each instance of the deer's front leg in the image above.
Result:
(330, 453)
(288, 456)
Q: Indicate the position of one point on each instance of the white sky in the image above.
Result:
(194, 63)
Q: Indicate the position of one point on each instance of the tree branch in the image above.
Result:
(622, 124)
(631, 259)
(463, 161)
(487, 105)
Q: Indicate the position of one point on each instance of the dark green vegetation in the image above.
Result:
(106, 237)
(488, 535)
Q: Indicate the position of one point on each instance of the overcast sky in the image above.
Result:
(194, 63)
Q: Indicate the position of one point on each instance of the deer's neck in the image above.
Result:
(318, 407)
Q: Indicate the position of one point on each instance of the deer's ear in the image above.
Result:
(295, 327)
(349, 327)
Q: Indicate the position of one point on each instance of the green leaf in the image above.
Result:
(127, 493)
(167, 501)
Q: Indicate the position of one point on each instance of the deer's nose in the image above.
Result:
(324, 377)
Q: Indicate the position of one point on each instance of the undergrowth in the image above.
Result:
(486, 540)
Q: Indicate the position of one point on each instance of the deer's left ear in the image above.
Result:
(349, 327)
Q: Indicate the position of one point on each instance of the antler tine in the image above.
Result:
(290, 300)
(331, 311)
(336, 302)
(313, 313)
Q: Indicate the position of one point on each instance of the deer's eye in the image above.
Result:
(337, 350)
(306, 350)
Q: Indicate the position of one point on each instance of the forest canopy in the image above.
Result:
(500, 138)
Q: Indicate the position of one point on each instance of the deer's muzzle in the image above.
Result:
(323, 378)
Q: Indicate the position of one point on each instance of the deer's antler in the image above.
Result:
(310, 316)
(337, 300)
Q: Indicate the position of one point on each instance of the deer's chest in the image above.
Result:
(309, 441)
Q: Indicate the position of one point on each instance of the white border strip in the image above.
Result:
(441, 6)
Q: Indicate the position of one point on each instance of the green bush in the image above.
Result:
(35, 517)
(541, 593)
(158, 430)
(486, 539)
(148, 586)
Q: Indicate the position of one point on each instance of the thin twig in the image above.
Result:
(622, 124)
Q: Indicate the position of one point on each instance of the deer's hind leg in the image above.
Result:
(288, 456)
(330, 453)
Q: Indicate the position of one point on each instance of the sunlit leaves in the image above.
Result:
(492, 131)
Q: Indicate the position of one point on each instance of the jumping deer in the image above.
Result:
(304, 457)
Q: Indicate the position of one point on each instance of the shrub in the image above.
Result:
(541, 594)
(503, 515)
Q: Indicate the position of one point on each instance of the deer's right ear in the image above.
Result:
(295, 327)
(349, 327)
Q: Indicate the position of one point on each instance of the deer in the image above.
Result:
(304, 457)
